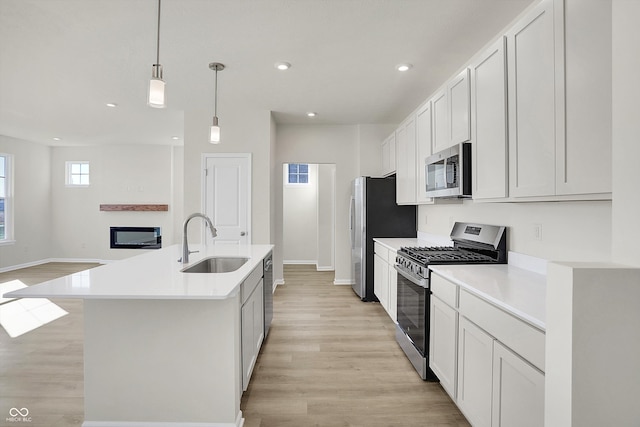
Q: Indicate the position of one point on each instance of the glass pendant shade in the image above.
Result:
(215, 132)
(156, 88)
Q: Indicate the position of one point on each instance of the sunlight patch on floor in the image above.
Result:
(19, 316)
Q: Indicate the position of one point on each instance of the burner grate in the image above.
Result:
(444, 254)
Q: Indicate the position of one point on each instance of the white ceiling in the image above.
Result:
(61, 61)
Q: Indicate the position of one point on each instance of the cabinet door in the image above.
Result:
(489, 123)
(406, 163)
(441, 133)
(443, 344)
(584, 161)
(389, 155)
(460, 108)
(518, 391)
(475, 366)
(393, 291)
(252, 320)
(381, 280)
(532, 103)
(423, 149)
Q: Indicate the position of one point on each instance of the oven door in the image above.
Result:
(413, 309)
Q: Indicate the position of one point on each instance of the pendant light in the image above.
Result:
(156, 84)
(214, 137)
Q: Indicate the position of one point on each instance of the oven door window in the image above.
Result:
(412, 311)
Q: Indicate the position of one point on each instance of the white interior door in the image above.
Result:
(227, 197)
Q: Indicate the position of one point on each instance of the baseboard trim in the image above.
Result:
(299, 261)
(325, 268)
(343, 282)
(238, 423)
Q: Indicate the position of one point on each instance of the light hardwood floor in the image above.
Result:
(330, 361)
(42, 370)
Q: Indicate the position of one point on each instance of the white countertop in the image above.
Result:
(517, 291)
(153, 275)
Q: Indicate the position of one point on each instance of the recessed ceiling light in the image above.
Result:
(282, 66)
(311, 114)
(55, 138)
(403, 67)
(175, 138)
(111, 104)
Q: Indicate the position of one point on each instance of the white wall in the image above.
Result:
(246, 131)
(626, 132)
(300, 219)
(325, 144)
(32, 202)
(309, 218)
(570, 230)
(326, 217)
(118, 174)
(354, 150)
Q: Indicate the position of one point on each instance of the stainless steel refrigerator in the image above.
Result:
(374, 213)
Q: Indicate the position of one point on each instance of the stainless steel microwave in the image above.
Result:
(448, 172)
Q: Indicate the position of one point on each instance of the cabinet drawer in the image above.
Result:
(444, 289)
(522, 338)
(381, 250)
(251, 282)
(392, 257)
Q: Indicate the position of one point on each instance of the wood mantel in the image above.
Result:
(134, 207)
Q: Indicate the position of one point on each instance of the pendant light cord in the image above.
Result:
(158, 40)
(215, 98)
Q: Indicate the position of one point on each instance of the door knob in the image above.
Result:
(242, 233)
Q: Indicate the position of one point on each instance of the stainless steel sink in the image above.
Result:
(216, 265)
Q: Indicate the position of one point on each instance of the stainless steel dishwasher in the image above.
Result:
(268, 292)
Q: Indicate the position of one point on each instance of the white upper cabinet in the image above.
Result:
(423, 148)
(536, 106)
(531, 53)
(389, 155)
(489, 123)
(584, 161)
(440, 112)
(559, 73)
(460, 108)
(406, 162)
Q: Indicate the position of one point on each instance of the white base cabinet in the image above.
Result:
(471, 350)
(252, 321)
(385, 280)
(475, 373)
(443, 344)
(443, 333)
(518, 390)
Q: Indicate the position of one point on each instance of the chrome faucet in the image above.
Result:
(185, 243)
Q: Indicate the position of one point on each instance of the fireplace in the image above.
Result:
(135, 238)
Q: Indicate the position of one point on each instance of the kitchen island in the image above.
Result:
(162, 347)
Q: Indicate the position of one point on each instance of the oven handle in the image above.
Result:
(423, 283)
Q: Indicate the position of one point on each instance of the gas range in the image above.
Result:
(472, 244)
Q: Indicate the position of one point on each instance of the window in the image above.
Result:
(5, 198)
(77, 174)
(298, 173)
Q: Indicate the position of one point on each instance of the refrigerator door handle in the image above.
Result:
(351, 220)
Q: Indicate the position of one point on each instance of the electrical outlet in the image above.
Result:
(537, 232)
